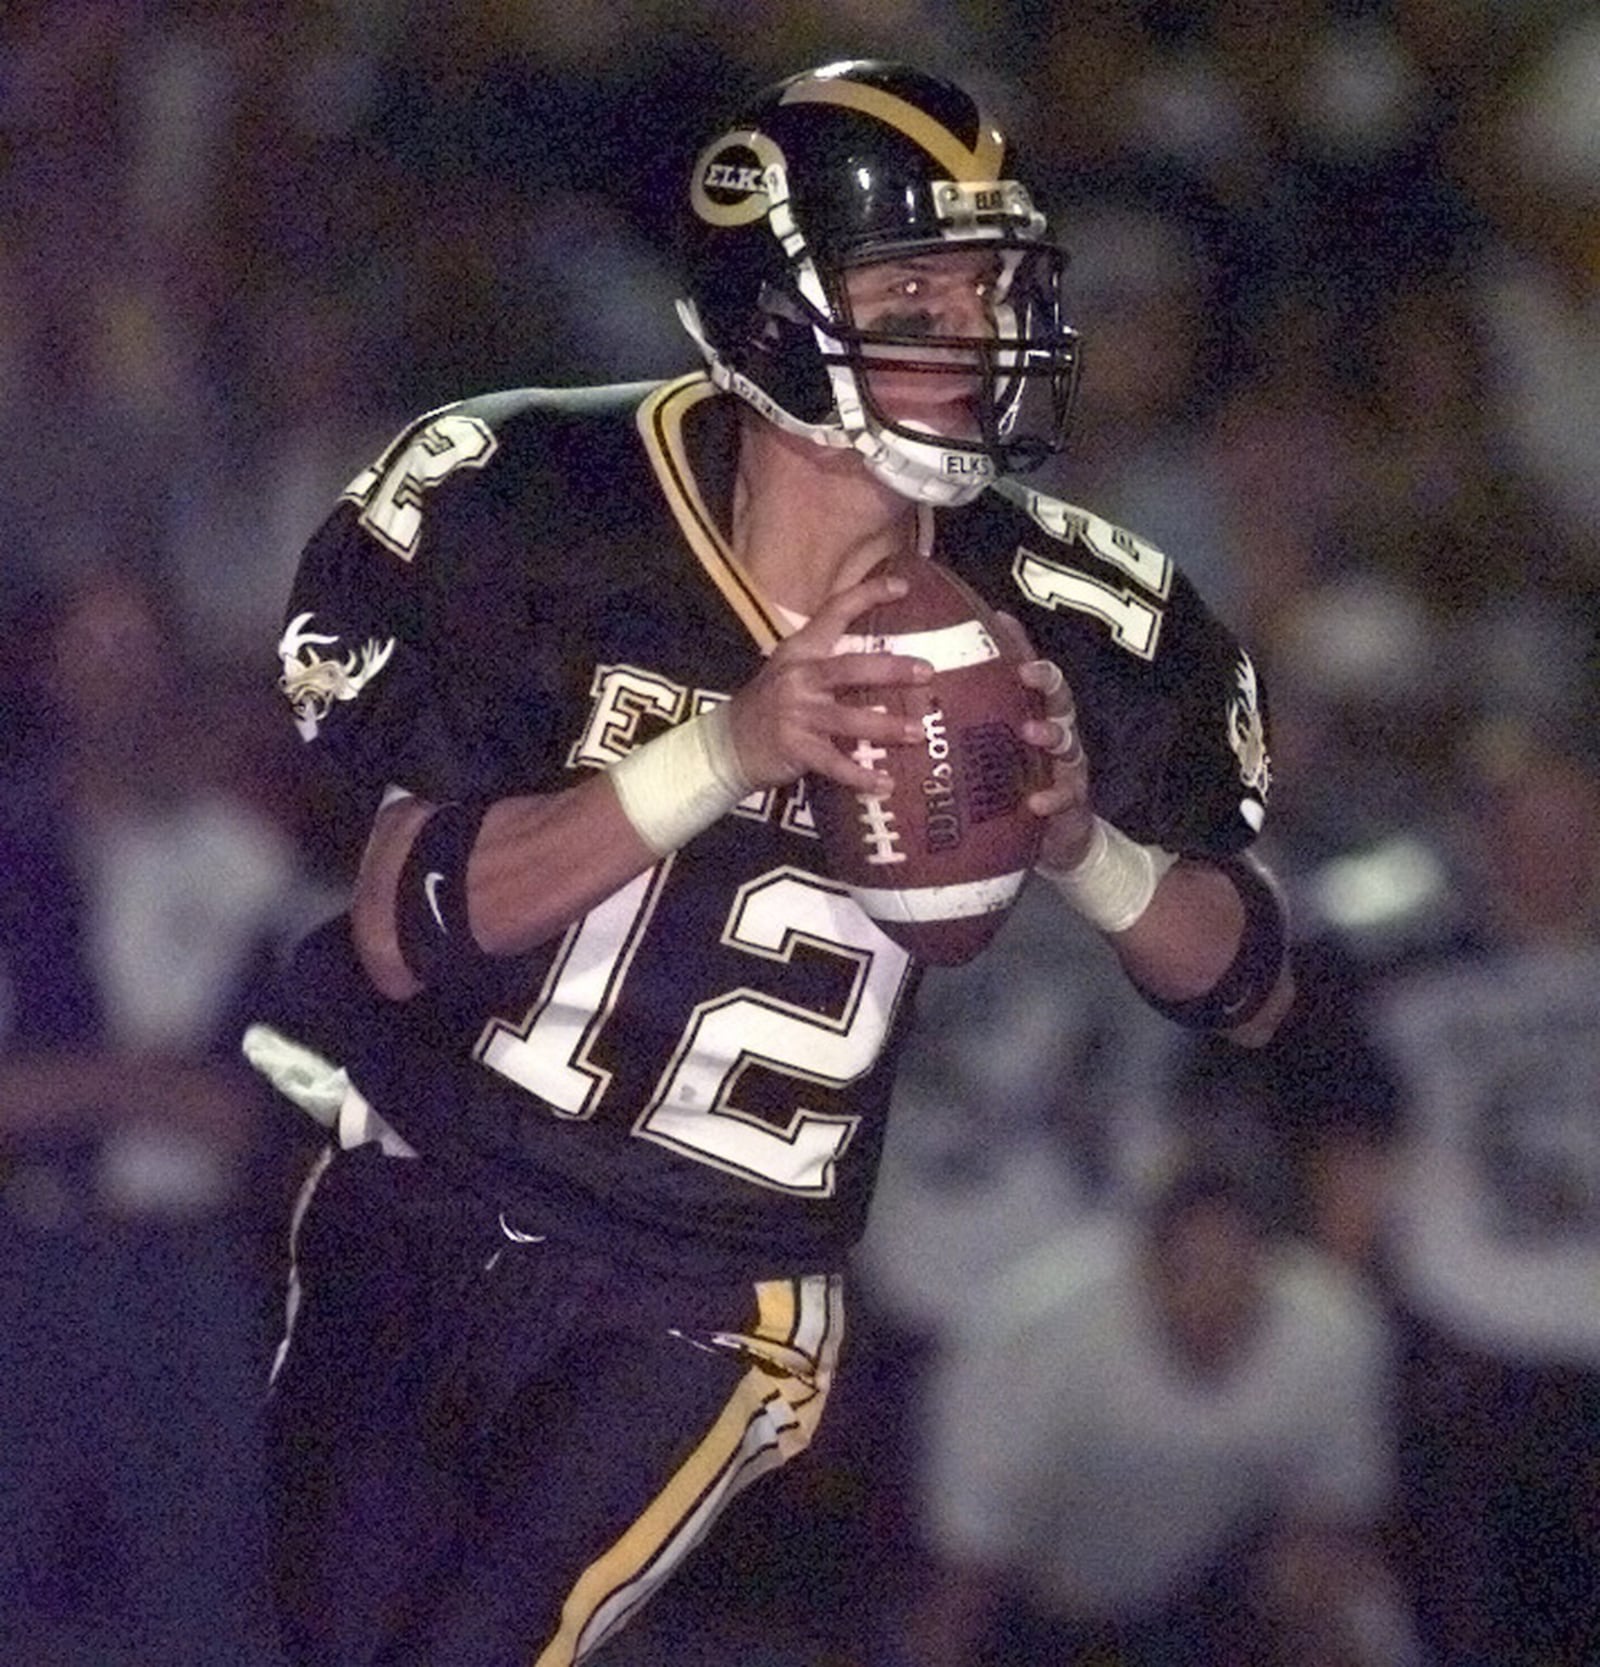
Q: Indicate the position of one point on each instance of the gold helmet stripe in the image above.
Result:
(978, 166)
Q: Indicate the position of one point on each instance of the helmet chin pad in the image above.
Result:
(927, 471)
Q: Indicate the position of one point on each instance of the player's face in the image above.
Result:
(920, 299)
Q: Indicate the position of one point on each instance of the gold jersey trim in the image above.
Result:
(661, 423)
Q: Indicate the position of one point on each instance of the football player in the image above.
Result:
(578, 649)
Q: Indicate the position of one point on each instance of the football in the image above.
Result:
(938, 863)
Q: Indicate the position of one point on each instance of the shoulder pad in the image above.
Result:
(1071, 525)
(1170, 706)
(462, 438)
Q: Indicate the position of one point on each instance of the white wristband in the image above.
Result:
(680, 783)
(1113, 884)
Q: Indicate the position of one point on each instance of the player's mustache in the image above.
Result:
(906, 324)
(888, 334)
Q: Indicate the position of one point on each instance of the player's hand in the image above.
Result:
(790, 717)
(1065, 802)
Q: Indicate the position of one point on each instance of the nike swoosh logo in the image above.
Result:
(430, 889)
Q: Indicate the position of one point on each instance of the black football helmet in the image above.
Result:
(851, 165)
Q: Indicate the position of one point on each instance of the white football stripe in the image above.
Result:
(973, 897)
(947, 648)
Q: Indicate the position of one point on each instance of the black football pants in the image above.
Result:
(487, 1449)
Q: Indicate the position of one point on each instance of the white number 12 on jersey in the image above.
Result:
(694, 1108)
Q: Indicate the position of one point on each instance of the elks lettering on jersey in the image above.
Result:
(957, 464)
(626, 699)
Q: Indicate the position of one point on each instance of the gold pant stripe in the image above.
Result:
(767, 1421)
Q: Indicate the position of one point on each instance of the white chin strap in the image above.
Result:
(923, 470)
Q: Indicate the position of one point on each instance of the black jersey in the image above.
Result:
(529, 584)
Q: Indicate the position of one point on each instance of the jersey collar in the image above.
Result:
(685, 417)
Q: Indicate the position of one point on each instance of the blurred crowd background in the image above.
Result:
(1337, 268)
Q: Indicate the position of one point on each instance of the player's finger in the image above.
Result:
(1061, 796)
(1049, 680)
(856, 670)
(853, 767)
(835, 615)
(1014, 638)
(873, 723)
(1068, 744)
(1057, 735)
